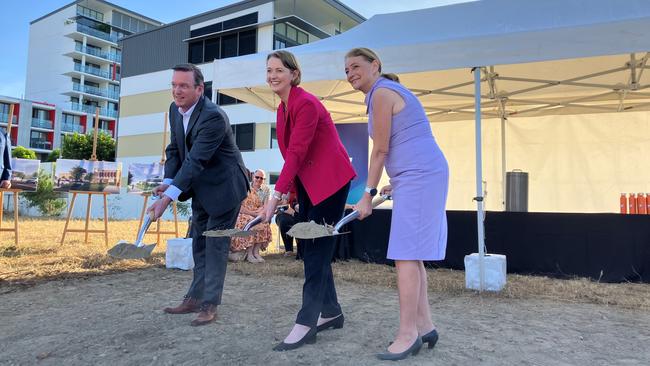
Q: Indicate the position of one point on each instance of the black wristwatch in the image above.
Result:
(371, 191)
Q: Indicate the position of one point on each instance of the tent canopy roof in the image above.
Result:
(539, 57)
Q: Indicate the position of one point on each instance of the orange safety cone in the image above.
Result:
(632, 204)
(641, 204)
(623, 202)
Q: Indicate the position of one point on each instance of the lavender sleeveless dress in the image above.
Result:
(419, 175)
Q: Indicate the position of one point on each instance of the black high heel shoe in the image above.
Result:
(336, 323)
(413, 350)
(430, 338)
(309, 338)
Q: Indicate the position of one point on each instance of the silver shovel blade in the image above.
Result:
(124, 250)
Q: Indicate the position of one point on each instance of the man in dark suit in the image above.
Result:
(5, 162)
(203, 163)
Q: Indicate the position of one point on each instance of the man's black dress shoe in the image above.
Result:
(309, 338)
(336, 323)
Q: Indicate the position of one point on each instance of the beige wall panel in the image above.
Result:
(262, 136)
(140, 145)
(146, 103)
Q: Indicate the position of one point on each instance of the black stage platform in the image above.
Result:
(605, 247)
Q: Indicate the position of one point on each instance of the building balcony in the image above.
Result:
(42, 123)
(91, 110)
(4, 118)
(106, 93)
(96, 33)
(40, 144)
(110, 56)
(71, 127)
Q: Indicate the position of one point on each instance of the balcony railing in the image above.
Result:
(106, 93)
(71, 127)
(42, 123)
(92, 71)
(96, 33)
(111, 56)
(105, 130)
(4, 118)
(40, 144)
(91, 109)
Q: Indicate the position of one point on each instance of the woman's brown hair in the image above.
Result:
(370, 56)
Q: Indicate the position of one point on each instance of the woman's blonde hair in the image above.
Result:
(370, 56)
(289, 61)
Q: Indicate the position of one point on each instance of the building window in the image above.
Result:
(285, 35)
(274, 137)
(244, 136)
(38, 140)
(229, 46)
(223, 99)
(4, 113)
(247, 42)
(212, 47)
(241, 21)
(195, 52)
(273, 178)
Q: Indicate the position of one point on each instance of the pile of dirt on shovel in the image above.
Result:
(310, 230)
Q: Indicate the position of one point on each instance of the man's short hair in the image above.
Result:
(198, 75)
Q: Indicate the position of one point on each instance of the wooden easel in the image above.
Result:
(146, 195)
(15, 228)
(14, 191)
(85, 230)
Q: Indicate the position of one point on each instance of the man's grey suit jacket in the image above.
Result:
(205, 163)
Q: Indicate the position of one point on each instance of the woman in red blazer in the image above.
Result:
(318, 167)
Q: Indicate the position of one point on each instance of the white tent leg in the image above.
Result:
(479, 179)
(503, 161)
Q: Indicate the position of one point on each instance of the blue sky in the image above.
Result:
(14, 26)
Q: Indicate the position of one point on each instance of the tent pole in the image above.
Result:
(503, 161)
(479, 178)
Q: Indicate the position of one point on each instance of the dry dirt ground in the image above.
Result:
(117, 320)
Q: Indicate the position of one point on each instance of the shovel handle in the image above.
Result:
(355, 214)
(252, 223)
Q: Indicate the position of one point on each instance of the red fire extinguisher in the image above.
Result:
(632, 203)
(641, 204)
(623, 203)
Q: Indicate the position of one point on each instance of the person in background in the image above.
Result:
(249, 247)
(5, 162)
(419, 177)
(285, 219)
(318, 167)
(203, 163)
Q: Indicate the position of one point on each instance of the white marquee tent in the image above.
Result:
(537, 59)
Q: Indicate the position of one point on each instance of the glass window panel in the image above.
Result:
(303, 37)
(195, 52)
(212, 47)
(247, 42)
(229, 46)
(281, 28)
(292, 33)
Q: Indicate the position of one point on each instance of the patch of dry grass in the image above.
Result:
(39, 258)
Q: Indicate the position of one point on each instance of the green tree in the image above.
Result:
(53, 156)
(78, 147)
(45, 199)
(77, 173)
(23, 153)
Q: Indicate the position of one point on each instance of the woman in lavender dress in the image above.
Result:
(403, 143)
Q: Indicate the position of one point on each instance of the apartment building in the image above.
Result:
(242, 28)
(73, 70)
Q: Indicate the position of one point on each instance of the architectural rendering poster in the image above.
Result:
(144, 177)
(24, 174)
(354, 137)
(87, 176)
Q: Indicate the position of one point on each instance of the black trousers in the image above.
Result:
(318, 291)
(285, 222)
(210, 253)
